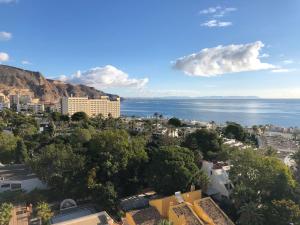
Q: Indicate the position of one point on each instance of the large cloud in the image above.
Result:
(105, 77)
(223, 59)
(4, 57)
(5, 36)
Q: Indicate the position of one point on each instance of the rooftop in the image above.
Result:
(81, 216)
(148, 216)
(190, 217)
(16, 172)
(214, 212)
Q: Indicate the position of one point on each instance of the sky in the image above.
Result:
(155, 48)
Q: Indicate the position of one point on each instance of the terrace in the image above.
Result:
(214, 212)
(148, 216)
(189, 216)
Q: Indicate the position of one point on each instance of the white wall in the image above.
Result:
(26, 185)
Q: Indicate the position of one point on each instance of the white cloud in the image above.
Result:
(210, 10)
(216, 23)
(26, 62)
(224, 11)
(5, 36)
(4, 57)
(223, 59)
(214, 13)
(282, 70)
(288, 61)
(105, 77)
(264, 55)
(218, 11)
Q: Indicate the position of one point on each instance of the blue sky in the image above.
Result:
(155, 48)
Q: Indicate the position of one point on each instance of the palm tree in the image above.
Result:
(250, 215)
(156, 115)
(5, 213)
(44, 212)
(165, 222)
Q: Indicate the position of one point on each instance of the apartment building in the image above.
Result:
(219, 185)
(92, 107)
(180, 209)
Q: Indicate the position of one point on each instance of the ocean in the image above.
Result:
(248, 112)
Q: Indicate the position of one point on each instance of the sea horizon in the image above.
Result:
(248, 112)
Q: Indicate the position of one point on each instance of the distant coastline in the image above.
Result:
(200, 97)
(248, 112)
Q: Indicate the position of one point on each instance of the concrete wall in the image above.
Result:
(26, 185)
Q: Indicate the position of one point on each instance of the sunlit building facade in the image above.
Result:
(92, 107)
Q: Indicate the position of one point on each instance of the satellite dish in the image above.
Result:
(67, 204)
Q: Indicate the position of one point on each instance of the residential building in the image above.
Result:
(180, 209)
(220, 185)
(18, 177)
(4, 105)
(2, 98)
(36, 108)
(14, 99)
(92, 107)
(71, 214)
(4, 102)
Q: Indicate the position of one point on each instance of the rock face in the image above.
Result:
(14, 80)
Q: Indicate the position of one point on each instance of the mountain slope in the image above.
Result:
(14, 79)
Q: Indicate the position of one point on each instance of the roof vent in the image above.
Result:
(179, 197)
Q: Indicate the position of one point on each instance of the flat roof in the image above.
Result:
(70, 214)
(214, 212)
(16, 172)
(190, 217)
(101, 218)
(148, 216)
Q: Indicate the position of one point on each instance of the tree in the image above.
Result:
(7, 147)
(58, 166)
(156, 116)
(164, 222)
(112, 151)
(296, 157)
(208, 142)
(81, 136)
(5, 213)
(266, 178)
(250, 214)
(79, 116)
(44, 212)
(21, 154)
(55, 116)
(235, 130)
(174, 122)
(283, 212)
(179, 170)
(65, 118)
(114, 156)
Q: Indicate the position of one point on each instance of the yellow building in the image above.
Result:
(92, 107)
(180, 209)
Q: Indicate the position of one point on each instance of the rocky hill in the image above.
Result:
(14, 79)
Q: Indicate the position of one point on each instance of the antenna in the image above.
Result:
(179, 197)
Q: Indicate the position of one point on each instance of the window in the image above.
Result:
(5, 186)
(228, 186)
(15, 186)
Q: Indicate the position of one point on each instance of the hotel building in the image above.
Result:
(92, 107)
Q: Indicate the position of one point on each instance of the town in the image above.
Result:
(80, 162)
(149, 112)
